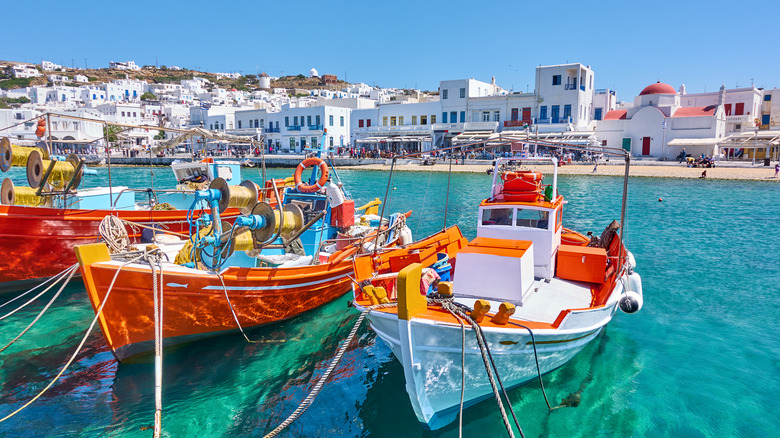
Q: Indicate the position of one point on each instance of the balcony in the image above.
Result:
(514, 123)
(272, 130)
(468, 126)
(294, 128)
(571, 86)
(315, 127)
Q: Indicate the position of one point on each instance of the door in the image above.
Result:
(645, 145)
(527, 115)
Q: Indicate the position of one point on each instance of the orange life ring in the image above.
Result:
(308, 188)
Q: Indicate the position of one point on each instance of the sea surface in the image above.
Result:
(701, 359)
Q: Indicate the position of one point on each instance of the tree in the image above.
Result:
(148, 95)
(110, 133)
(160, 135)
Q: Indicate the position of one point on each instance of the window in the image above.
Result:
(462, 116)
(360, 123)
(738, 126)
(314, 142)
(331, 141)
(543, 112)
(368, 123)
(767, 97)
(555, 111)
(444, 117)
(286, 121)
(556, 80)
(597, 114)
(239, 124)
(414, 120)
(303, 140)
(295, 121)
(485, 116)
(384, 121)
(453, 116)
(433, 119)
(514, 113)
(497, 216)
(308, 120)
(341, 120)
(566, 111)
(739, 109)
(444, 95)
(123, 113)
(292, 143)
(223, 126)
(532, 218)
(261, 123)
(423, 120)
(393, 120)
(462, 93)
(400, 120)
(330, 120)
(603, 142)
(317, 120)
(135, 114)
(496, 116)
(727, 109)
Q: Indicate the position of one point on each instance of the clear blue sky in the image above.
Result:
(414, 43)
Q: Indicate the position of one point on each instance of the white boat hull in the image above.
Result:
(430, 353)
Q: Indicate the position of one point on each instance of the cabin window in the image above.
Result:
(532, 218)
(497, 216)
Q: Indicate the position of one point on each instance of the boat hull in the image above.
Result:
(38, 242)
(194, 302)
(430, 352)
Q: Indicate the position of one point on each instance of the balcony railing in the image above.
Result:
(512, 123)
(315, 127)
(294, 128)
(572, 86)
(270, 130)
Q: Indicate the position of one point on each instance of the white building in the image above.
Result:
(264, 81)
(24, 71)
(129, 65)
(658, 125)
(58, 78)
(50, 66)
(81, 79)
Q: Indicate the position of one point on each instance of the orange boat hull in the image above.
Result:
(38, 242)
(195, 306)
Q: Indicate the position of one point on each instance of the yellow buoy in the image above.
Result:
(25, 196)
(60, 176)
(12, 155)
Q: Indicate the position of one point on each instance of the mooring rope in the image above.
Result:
(318, 386)
(152, 257)
(65, 283)
(448, 306)
(81, 344)
(56, 279)
(235, 317)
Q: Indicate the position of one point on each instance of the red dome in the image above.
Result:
(658, 88)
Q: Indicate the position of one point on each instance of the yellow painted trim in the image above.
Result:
(92, 253)
(410, 301)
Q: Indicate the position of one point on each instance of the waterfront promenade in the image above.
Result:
(728, 170)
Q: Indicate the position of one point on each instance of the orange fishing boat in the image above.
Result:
(230, 277)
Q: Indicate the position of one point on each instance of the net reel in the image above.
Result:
(25, 196)
(12, 155)
(59, 174)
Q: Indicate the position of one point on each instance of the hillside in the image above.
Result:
(163, 75)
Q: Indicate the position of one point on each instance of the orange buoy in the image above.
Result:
(311, 188)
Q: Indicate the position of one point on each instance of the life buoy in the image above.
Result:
(308, 188)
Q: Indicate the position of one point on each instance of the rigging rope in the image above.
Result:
(56, 279)
(152, 257)
(235, 317)
(81, 344)
(73, 271)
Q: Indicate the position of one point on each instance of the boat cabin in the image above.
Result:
(518, 237)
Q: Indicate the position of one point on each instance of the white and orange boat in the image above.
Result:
(536, 297)
(229, 278)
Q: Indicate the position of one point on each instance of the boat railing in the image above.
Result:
(152, 193)
(535, 160)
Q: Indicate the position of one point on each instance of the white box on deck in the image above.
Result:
(495, 269)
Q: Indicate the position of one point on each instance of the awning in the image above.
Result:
(694, 142)
(394, 139)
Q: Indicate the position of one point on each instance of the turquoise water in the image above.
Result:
(699, 360)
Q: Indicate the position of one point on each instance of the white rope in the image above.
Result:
(81, 344)
(158, 339)
(114, 233)
(60, 277)
(54, 277)
(73, 271)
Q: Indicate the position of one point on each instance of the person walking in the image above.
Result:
(777, 169)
